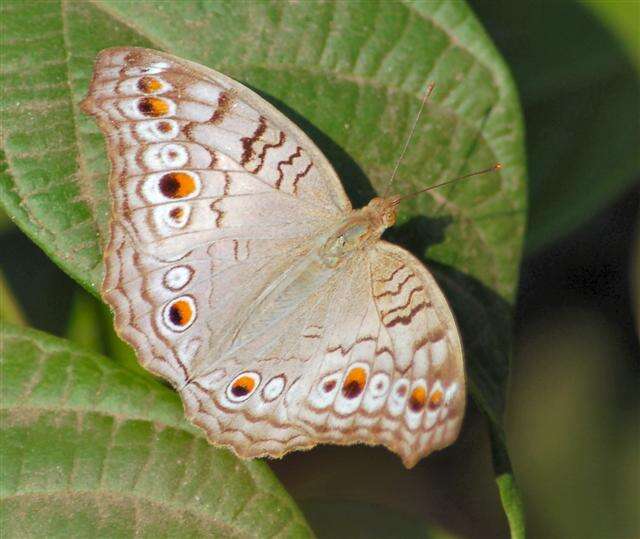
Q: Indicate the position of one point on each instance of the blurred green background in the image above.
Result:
(574, 410)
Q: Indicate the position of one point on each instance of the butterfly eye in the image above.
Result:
(389, 218)
(165, 156)
(171, 216)
(377, 391)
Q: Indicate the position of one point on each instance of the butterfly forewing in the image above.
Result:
(220, 206)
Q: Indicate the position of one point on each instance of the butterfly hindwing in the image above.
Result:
(394, 375)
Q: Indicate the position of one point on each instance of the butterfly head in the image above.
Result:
(384, 211)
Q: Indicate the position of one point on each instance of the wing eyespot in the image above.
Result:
(243, 386)
(324, 392)
(151, 69)
(398, 396)
(354, 383)
(153, 106)
(329, 385)
(149, 85)
(418, 399)
(436, 399)
(180, 313)
(178, 184)
(157, 130)
(177, 277)
(274, 388)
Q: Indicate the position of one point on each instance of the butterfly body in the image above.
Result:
(360, 230)
(238, 270)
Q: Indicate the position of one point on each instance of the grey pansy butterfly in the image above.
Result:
(239, 271)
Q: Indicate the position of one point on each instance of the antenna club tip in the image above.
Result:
(497, 166)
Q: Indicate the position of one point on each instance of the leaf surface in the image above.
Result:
(84, 437)
(577, 65)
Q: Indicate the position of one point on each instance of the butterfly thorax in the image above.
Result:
(360, 230)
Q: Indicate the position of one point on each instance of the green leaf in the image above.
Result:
(5, 221)
(352, 75)
(117, 349)
(91, 325)
(83, 437)
(577, 65)
(83, 327)
(10, 310)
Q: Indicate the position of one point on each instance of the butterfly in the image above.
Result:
(239, 271)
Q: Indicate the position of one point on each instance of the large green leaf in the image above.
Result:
(83, 437)
(577, 65)
(10, 310)
(352, 75)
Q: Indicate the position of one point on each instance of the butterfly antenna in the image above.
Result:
(494, 168)
(406, 144)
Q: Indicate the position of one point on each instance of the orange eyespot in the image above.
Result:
(180, 313)
(418, 399)
(435, 399)
(243, 386)
(148, 85)
(153, 106)
(354, 383)
(177, 184)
